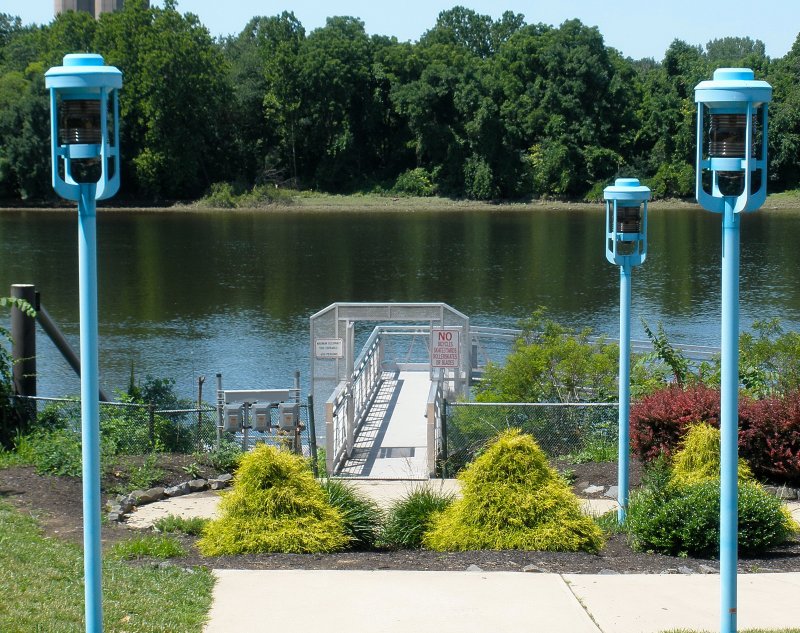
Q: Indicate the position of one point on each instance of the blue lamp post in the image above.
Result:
(86, 169)
(731, 179)
(626, 247)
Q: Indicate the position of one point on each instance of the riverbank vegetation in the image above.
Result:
(477, 108)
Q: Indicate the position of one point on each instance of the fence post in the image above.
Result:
(444, 438)
(312, 436)
(151, 424)
(200, 381)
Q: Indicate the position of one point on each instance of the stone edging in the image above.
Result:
(123, 505)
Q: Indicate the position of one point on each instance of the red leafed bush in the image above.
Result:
(659, 420)
(769, 437)
(769, 429)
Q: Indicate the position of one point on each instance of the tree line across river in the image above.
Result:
(477, 108)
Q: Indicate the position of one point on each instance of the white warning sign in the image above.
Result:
(445, 351)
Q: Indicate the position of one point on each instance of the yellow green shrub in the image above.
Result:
(698, 459)
(275, 505)
(513, 499)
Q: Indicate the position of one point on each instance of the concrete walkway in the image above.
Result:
(480, 602)
(496, 602)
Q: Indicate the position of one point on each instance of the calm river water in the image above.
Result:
(186, 294)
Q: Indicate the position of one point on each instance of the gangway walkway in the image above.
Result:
(383, 407)
(393, 442)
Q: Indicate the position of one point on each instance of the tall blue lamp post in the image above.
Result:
(731, 179)
(626, 247)
(86, 169)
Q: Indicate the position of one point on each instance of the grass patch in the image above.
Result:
(410, 517)
(147, 546)
(41, 581)
(595, 451)
(172, 523)
(361, 516)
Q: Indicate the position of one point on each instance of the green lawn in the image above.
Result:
(41, 581)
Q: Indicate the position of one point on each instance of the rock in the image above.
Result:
(474, 568)
(685, 570)
(198, 485)
(177, 491)
(142, 497)
(533, 569)
(593, 490)
(156, 494)
(135, 496)
(612, 492)
(786, 493)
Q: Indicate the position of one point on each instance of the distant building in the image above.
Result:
(95, 7)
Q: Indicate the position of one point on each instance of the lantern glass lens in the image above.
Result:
(79, 122)
(727, 135)
(629, 219)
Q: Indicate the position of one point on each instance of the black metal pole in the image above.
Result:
(444, 439)
(312, 436)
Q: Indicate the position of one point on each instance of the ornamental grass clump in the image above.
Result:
(513, 499)
(275, 505)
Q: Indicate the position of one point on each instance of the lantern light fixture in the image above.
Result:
(85, 167)
(731, 178)
(626, 247)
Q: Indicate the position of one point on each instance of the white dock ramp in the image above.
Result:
(393, 440)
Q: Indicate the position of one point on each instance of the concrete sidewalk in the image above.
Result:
(496, 602)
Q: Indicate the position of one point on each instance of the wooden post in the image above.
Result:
(23, 347)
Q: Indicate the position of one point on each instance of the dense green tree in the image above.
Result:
(478, 107)
(261, 59)
(784, 137)
(173, 101)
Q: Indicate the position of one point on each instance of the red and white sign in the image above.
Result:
(445, 350)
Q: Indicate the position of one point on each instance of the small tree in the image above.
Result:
(553, 363)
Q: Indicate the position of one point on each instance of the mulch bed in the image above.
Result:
(57, 503)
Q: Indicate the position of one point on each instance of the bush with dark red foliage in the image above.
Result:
(659, 420)
(769, 429)
(769, 437)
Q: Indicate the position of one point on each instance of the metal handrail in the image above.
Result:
(336, 409)
(434, 416)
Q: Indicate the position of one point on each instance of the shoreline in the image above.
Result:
(370, 203)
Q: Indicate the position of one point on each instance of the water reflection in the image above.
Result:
(185, 294)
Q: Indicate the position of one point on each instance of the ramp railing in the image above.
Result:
(433, 414)
(348, 406)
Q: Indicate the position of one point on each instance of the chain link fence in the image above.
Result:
(131, 429)
(137, 429)
(562, 430)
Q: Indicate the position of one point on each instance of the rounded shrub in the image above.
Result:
(683, 520)
(414, 182)
(411, 516)
(275, 505)
(513, 499)
(361, 516)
